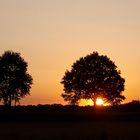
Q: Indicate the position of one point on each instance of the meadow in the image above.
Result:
(56, 122)
(70, 131)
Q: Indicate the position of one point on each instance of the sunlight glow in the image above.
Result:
(84, 102)
(99, 101)
(90, 102)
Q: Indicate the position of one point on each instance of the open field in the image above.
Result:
(70, 131)
(69, 123)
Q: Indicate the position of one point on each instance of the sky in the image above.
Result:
(52, 34)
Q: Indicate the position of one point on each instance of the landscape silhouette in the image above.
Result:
(69, 70)
(91, 77)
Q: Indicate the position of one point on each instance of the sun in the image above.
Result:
(99, 101)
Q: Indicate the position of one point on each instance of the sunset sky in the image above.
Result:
(52, 34)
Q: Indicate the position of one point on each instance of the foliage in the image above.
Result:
(93, 76)
(15, 82)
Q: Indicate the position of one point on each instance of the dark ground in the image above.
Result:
(70, 131)
(58, 122)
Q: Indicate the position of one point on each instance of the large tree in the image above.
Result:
(15, 82)
(91, 77)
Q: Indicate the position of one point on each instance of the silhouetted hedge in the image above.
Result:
(57, 112)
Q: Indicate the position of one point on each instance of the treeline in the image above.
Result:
(133, 106)
(70, 113)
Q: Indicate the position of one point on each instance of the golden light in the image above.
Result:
(99, 101)
(90, 102)
(84, 102)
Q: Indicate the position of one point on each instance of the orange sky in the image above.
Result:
(52, 34)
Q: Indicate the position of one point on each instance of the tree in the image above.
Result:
(15, 82)
(91, 77)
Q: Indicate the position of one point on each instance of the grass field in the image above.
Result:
(70, 131)
(69, 123)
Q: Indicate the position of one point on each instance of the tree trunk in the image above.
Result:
(10, 101)
(15, 102)
(94, 101)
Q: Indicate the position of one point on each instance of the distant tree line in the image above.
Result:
(133, 106)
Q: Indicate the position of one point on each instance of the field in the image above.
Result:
(70, 131)
(68, 123)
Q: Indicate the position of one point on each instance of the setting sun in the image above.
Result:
(75, 29)
(99, 101)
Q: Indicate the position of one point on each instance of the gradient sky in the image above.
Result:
(52, 34)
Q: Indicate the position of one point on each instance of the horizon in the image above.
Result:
(51, 35)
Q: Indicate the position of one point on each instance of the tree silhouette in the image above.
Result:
(15, 82)
(91, 77)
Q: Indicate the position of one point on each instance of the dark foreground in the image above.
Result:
(70, 131)
(69, 123)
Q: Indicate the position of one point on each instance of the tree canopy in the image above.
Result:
(91, 77)
(15, 82)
